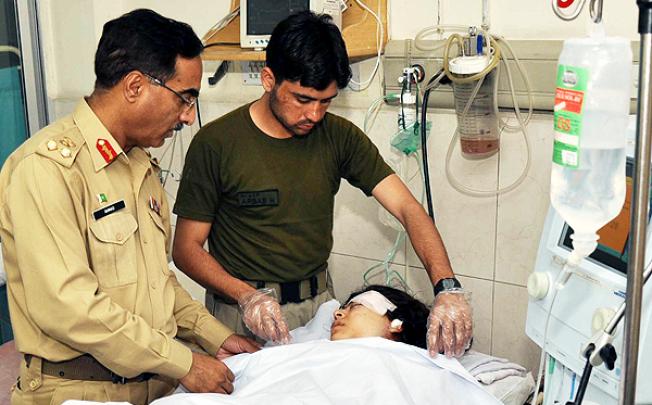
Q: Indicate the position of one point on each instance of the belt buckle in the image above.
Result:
(290, 292)
(116, 379)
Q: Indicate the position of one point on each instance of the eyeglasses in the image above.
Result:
(189, 102)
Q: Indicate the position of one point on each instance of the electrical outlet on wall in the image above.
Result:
(251, 72)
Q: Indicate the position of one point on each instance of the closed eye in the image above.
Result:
(351, 305)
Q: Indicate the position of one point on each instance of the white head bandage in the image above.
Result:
(375, 301)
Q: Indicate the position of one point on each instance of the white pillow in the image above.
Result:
(319, 326)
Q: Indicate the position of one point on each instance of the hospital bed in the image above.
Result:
(317, 371)
(368, 367)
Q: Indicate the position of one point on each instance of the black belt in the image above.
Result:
(84, 368)
(295, 291)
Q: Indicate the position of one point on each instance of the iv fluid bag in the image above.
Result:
(587, 186)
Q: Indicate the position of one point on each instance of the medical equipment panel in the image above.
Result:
(584, 306)
(259, 17)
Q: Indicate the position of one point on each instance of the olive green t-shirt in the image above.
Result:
(270, 200)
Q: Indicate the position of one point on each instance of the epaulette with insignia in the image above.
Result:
(61, 148)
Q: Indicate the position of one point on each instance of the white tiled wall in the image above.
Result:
(491, 241)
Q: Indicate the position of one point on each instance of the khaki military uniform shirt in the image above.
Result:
(85, 230)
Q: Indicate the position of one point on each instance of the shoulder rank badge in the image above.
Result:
(106, 150)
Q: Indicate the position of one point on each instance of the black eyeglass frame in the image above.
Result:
(189, 103)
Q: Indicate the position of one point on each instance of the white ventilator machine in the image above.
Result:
(585, 305)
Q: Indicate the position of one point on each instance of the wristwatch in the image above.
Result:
(446, 284)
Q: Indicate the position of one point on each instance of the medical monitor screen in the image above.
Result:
(612, 244)
(263, 15)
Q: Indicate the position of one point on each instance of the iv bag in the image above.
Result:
(587, 186)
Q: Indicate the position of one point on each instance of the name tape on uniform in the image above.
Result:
(258, 198)
(109, 209)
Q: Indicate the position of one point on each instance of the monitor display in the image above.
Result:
(263, 15)
(612, 245)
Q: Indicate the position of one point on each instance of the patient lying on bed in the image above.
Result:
(375, 356)
(382, 312)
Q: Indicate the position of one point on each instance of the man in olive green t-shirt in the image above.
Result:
(259, 184)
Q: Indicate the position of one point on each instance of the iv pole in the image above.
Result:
(640, 202)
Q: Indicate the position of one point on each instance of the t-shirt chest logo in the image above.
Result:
(265, 198)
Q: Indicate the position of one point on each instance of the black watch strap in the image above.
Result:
(446, 284)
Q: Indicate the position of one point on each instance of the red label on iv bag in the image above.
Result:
(569, 100)
(564, 3)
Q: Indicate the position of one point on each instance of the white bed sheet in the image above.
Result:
(354, 371)
(314, 370)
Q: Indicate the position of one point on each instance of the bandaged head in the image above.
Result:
(377, 303)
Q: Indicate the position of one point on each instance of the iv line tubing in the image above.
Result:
(566, 271)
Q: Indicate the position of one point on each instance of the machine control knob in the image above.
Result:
(538, 285)
(609, 356)
(601, 318)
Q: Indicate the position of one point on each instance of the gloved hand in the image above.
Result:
(450, 324)
(236, 344)
(261, 313)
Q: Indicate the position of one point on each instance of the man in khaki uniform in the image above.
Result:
(85, 228)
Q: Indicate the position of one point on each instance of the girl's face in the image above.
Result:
(354, 320)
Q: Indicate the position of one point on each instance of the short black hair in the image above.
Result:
(411, 311)
(142, 40)
(308, 48)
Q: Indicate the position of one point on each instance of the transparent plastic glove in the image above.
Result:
(261, 313)
(450, 324)
(236, 344)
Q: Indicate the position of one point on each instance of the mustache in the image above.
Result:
(178, 127)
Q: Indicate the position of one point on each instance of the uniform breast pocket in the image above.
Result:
(114, 249)
(161, 242)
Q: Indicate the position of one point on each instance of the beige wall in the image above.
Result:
(491, 241)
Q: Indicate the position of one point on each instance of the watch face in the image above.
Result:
(448, 284)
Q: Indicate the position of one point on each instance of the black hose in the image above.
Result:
(424, 153)
(584, 381)
(424, 148)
